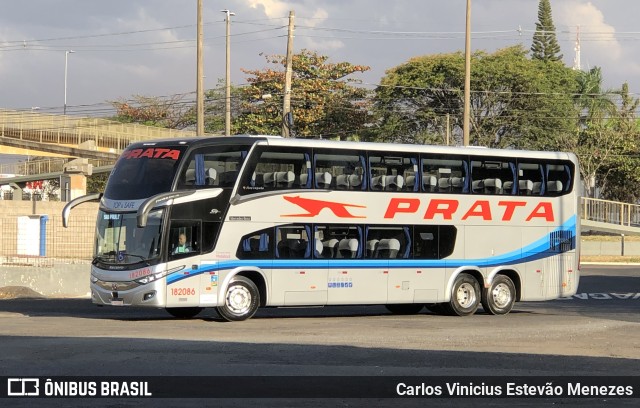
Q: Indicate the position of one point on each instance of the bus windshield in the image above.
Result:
(143, 172)
(119, 241)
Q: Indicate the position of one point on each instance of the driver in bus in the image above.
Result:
(182, 247)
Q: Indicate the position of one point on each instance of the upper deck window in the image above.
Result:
(212, 166)
(276, 168)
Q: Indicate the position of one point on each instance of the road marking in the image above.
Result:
(603, 296)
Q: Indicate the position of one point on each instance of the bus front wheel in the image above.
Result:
(241, 300)
(498, 299)
(465, 296)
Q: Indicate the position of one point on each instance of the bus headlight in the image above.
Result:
(94, 279)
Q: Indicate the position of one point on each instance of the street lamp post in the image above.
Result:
(66, 65)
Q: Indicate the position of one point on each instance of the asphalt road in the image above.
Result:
(594, 333)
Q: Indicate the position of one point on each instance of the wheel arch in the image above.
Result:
(256, 275)
(470, 270)
(512, 274)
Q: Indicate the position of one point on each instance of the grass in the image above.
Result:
(610, 258)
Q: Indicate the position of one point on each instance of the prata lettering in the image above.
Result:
(445, 209)
(152, 153)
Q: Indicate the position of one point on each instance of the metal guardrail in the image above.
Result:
(106, 135)
(43, 166)
(611, 212)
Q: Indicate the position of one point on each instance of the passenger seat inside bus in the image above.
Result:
(457, 184)
(323, 180)
(268, 179)
(492, 186)
(292, 248)
(284, 179)
(329, 248)
(377, 183)
(388, 248)
(355, 182)
(429, 183)
(535, 190)
(554, 187)
(444, 184)
(347, 248)
(372, 246)
(394, 183)
(190, 177)
(210, 176)
(342, 182)
(526, 187)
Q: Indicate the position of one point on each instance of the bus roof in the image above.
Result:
(247, 140)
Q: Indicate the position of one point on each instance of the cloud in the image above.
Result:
(597, 38)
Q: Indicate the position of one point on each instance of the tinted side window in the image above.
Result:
(276, 168)
(257, 245)
(212, 166)
(492, 176)
(338, 241)
(292, 242)
(388, 242)
(339, 170)
(444, 174)
(393, 171)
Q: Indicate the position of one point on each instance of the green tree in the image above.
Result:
(619, 178)
(324, 100)
(595, 139)
(515, 102)
(168, 112)
(545, 45)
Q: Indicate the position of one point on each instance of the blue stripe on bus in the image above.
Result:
(534, 251)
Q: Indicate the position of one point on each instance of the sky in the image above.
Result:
(124, 48)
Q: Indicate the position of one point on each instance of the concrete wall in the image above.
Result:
(57, 280)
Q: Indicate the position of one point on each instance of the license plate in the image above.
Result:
(117, 302)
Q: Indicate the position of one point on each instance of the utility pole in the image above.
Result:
(227, 109)
(467, 78)
(66, 66)
(286, 103)
(199, 75)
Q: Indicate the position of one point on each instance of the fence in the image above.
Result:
(611, 212)
(43, 166)
(73, 244)
(106, 135)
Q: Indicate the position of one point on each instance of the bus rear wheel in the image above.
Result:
(405, 309)
(465, 296)
(241, 301)
(499, 298)
(184, 312)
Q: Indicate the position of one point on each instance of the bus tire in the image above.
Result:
(499, 298)
(184, 312)
(465, 296)
(404, 309)
(241, 300)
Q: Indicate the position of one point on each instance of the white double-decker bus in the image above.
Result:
(238, 223)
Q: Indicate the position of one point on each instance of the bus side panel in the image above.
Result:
(299, 285)
(184, 293)
(349, 284)
(534, 281)
(416, 285)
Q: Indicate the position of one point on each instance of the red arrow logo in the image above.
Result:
(313, 207)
